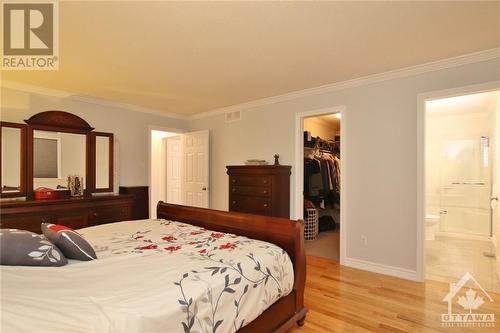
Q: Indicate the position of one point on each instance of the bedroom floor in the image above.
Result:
(342, 299)
(327, 245)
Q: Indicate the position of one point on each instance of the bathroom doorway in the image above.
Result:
(461, 220)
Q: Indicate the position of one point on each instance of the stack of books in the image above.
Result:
(256, 162)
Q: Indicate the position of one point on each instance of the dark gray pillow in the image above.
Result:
(25, 248)
(71, 243)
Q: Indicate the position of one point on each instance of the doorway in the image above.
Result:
(460, 207)
(178, 168)
(319, 180)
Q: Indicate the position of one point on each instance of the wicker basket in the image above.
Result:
(311, 224)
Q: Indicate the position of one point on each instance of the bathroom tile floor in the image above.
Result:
(448, 259)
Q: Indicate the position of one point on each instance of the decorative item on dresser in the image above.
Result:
(260, 189)
(140, 209)
(74, 212)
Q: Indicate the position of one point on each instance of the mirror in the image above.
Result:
(12, 138)
(56, 156)
(103, 143)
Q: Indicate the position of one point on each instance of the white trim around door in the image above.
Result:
(421, 101)
(298, 212)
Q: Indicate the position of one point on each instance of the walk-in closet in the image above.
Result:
(322, 174)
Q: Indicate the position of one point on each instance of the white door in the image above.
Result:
(173, 170)
(196, 168)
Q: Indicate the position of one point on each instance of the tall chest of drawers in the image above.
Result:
(260, 189)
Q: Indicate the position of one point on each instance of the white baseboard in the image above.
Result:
(399, 272)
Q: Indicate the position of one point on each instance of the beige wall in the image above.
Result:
(321, 128)
(130, 128)
(380, 157)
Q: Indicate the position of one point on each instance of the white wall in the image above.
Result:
(381, 156)
(158, 190)
(130, 128)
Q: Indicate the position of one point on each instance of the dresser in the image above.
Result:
(140, 195)
(260, 189)
(74, 212)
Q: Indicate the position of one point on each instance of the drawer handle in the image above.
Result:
(265, 181)
(265, 191)
(265, 205)
(95, 214)
(234, 202)
(233, 190)
(234, 180)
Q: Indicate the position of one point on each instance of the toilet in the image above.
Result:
(431, 226)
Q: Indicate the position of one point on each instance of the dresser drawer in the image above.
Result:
(25, 222)
(108, 214)
(250, 180)
(72, 219)
(252, 191)
(253, 205)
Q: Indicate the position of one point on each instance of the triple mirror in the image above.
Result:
(55, 150)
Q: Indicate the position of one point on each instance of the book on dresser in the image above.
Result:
(260, 189)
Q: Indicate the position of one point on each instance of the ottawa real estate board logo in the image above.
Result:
(470, 300)
(30, 33)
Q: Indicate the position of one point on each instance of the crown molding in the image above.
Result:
(34, 89)
(470, 58)
(362, 81)
(131, 107)
(86, 99)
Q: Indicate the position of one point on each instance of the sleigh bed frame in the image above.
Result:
(287, 234)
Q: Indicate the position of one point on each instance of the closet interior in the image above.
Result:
(322, 185)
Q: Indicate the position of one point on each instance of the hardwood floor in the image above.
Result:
(342, 299)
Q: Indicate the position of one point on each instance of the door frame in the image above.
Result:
(421, 113)
(150, 129)
(298, 212)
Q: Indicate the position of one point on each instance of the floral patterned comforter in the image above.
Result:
(151, 276)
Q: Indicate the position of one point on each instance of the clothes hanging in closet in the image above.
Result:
(322, 177)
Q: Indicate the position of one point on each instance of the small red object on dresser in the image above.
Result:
(43, 193)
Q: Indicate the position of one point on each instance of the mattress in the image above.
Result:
(151, 276)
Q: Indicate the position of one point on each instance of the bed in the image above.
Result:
(190, 270)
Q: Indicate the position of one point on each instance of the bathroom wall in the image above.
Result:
(456, 162)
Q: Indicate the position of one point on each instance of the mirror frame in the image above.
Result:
(93, 182)
(58, 121)
(22, 186)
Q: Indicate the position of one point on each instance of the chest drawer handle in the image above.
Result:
(265, 181)
(234, 202)
(234, 181)
(233, 190)
(265, 191)
(265, 205)
(95, 214)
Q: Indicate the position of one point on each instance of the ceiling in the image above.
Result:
(190, 57)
